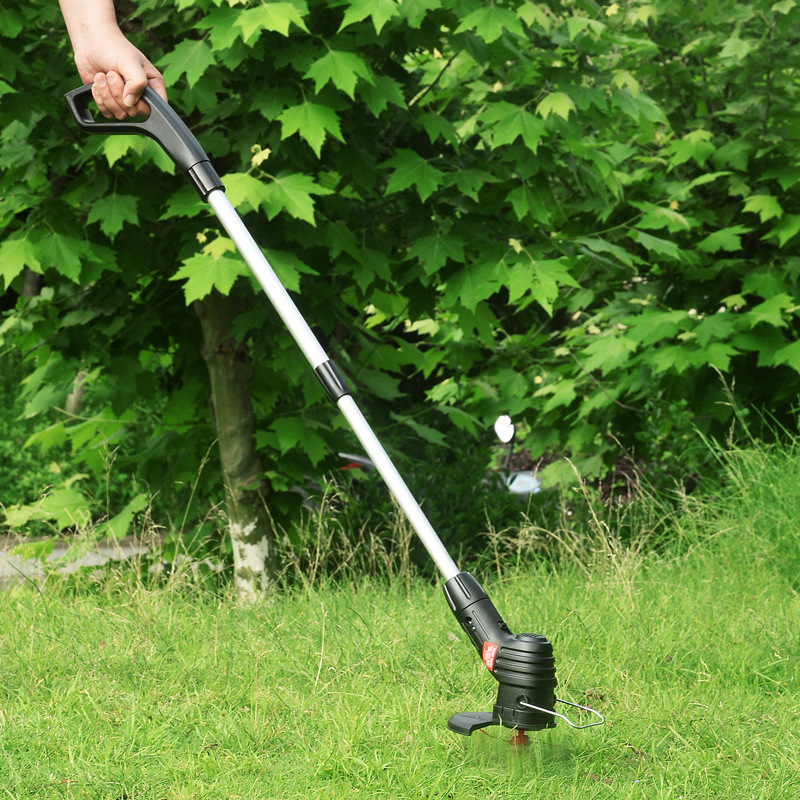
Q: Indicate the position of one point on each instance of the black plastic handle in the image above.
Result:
(163, 125)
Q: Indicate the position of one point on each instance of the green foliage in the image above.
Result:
(663, 215)
(23, 474)
(575, 213)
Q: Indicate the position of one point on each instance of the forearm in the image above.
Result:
(85, 18)
(118, 71)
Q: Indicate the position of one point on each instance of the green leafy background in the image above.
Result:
(585, 215)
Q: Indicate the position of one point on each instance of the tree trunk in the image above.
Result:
(74, 403)
(31, 284)
(246, 494)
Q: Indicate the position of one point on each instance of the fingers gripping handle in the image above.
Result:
(163, 125)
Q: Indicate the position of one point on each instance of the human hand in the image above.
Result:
(119, 73)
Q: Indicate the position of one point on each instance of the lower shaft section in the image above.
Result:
(397, 486)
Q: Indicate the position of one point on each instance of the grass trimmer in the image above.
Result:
(522, 663)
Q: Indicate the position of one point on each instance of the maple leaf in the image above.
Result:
(212, 268)
(381, 12)
(433, 251)
(292, 193)
(341, 68)
(15, 255)
(64, 253)
(558, 103)
(489, 22)
(313, 122)
(269, 17)
(509, 122)
(245, 191)
(113, 212)
(411, 169)
(765, 205)
(192, 57)
(729, 239)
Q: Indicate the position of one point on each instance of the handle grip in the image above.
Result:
(163, 125)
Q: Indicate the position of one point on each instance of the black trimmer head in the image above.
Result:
(522, 664)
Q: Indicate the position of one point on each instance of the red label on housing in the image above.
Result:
(488, 653)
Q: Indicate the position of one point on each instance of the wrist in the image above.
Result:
(88, 37)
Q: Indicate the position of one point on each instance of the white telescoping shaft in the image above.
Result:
(316, 356)
(416, 516)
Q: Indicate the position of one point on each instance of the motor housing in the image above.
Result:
(523, 663)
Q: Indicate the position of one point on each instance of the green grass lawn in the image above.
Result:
(124, 692)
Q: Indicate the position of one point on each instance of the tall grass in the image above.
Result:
(341, 687)
(324, 548)
(754, 515)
